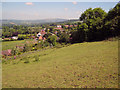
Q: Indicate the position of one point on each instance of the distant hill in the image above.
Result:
(42, 21)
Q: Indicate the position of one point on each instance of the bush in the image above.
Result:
(14, 51)
(21, 36)
(27, 61)
(4, 61)
(64, 38)
(52, 39)
(46, 43)
(26, 48)
(36, 58)
(58, 45)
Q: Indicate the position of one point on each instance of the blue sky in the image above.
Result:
(49, 10)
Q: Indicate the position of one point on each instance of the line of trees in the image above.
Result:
(97, 25)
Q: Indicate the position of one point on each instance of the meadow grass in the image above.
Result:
(11, 44)
(81, 65)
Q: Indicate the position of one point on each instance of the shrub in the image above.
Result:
(14, 51)
(36, 58)
(64, 38)
(27, 61)
(46, 43)
(52, 39)
(25, 48)
(21, 37)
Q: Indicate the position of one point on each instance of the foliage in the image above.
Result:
(52, 39)
(46, 43)
(26, 48)
(64, 37)
(26, 61)
(36, 58)
(40, 44)
(97, 25)
(21, 37)
(14, 51)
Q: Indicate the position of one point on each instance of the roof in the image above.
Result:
(71, 25)
(42, 38)
(66, 25)
(59, 28)
(7, 52)
(43, 32)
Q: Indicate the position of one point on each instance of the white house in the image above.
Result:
(39, 34)
(59, 26)
(15, 37)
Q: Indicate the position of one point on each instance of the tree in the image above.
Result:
(92, 14)
(94, 19)
(52, 39)
(112, 22)
(64, 38)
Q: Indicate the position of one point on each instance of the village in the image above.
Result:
(40, 35)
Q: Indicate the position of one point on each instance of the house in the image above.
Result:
(7, 52)
(41, 34)
(42, 38)
(61, 29)
(71, 26)
(59, 26)
(66, 26)
(15, 37)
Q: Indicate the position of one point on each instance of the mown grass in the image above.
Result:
(11, 44)
(82, 65)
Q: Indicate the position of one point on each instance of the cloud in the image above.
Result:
(29, 3)
(74, 3)
(65, 9)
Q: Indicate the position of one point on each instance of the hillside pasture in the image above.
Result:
(11, 44)
(81, 65)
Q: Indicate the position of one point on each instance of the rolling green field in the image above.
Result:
(11, 44)
(82, 65)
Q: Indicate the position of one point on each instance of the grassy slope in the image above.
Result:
(82, 65)
(11, 44)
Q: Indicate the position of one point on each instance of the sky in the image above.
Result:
(49, 10)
